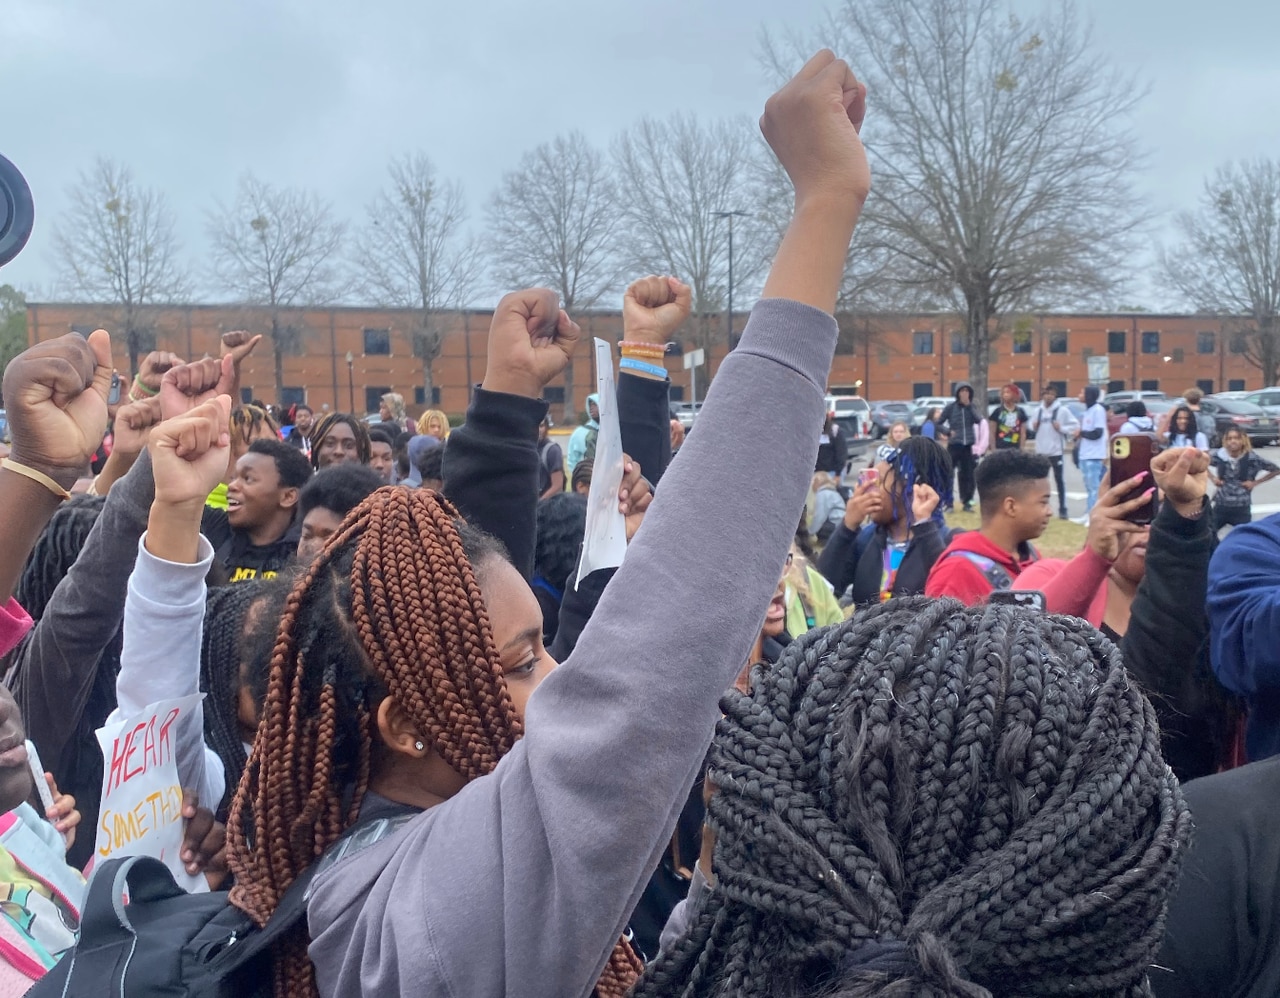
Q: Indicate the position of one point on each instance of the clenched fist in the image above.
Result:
(654, 308)
(531, 339)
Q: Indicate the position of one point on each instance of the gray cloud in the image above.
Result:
(322, 94)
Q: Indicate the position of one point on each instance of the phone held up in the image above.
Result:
(867, 476)
(1131, 455)
(1029, 598)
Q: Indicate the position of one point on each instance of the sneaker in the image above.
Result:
(1062, 514)
(968, 507)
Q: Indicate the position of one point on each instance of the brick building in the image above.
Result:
(885, 357)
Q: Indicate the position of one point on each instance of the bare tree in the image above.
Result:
(413, 253)
(1228, 262)
(116, 245)
(277, 248)
(1001, 156)
(673, 176)
(554, 222)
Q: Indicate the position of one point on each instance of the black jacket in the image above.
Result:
(644, 415)
(1223, 934)
(490, 471)
(961, 421)
(834, 454)
(856, 558)
(242, 560)
(1166, 647)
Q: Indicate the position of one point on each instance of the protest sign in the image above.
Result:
(605, 541)
(141, 812)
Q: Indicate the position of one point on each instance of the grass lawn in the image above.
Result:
(1063, 539)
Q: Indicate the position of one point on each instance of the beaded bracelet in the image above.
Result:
(631, 364)
(651, 350)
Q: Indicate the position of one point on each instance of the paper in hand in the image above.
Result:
(605, 543)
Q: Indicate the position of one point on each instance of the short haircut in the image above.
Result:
(1047, 389)
(339, 489)
(377, 435)
(431, 465)
(1007, 472)
(1136, 408)
(1193, 395)
(302, 405)
(291, 464)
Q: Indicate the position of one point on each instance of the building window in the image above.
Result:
(1115, 386)
(959, 344)
(1025, 388)
(1116, 341)
(922, 343)
(882, 355)
(675, 393)
(1235, 385)
(246, 395)
(1150, 385)
(420, 395)
(1206, 343)
(1057, 341)
(1150, 342)
(377, 342)
(1237, 345)
(1205, 385)
(1059, 388)
(919, 389)
(293, 396)
(1022, 341)
(554, 394)
(373, 398)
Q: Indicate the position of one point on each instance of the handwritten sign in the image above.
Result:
(141, 811)
(605, 541)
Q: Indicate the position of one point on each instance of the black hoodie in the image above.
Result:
(962, 420)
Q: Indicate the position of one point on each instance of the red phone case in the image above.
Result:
(1131, 454)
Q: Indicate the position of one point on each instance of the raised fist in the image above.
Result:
(531, 339)
(812, 126)
(56, 397)
(188, 385)
(189, 452)
(132, 426)
(654, 308)
(238, 344)
(153, 367)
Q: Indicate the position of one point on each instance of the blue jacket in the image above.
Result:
(1244, 627)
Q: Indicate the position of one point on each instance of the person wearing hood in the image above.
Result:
(1092, 450)
(961, 419)
(1136, 419)
(391, 410)
(582, 444)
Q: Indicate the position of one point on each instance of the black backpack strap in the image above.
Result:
(105, 915)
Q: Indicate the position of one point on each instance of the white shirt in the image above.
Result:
(1051, 426)
(1095, 418)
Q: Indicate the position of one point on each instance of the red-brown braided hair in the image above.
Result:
(390, 607)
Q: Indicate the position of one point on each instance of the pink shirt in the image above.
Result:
(14, 624)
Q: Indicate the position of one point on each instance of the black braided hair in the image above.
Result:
(223, 648)
(562, 521)
(920, 461)
(79, 769)
(939, 801)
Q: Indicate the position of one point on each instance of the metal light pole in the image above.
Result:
(351, 380)
(730, 215)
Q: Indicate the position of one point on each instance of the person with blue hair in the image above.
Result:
(892, 554)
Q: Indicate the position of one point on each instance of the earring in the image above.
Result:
(419, 746)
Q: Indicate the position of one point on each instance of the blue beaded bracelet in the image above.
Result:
(631, 364)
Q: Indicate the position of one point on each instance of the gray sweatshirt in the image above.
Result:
(522, 883)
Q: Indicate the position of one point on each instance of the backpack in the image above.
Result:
(162, 941)
(992, 571)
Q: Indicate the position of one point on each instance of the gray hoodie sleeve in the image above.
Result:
(54, 671)
(521, 884)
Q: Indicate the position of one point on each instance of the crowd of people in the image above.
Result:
(792, 746)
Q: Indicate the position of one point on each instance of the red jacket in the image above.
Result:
(1070, 591)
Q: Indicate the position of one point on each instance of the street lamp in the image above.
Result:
(730, 215)
(351, 380)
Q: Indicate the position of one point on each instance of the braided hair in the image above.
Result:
(222, 653)
(938, 801)
(391, 607)
(79, 769)
(920, 461)
(324, 426)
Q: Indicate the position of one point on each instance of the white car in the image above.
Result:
(853, 413)
(934, 401)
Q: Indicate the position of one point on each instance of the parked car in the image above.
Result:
(928, 401)
(885, 414)
(1126, 397)
(1260, 428)
(853, 414)
(686, 412)
(1118, 412)
(1229, 396)
(1268, 398)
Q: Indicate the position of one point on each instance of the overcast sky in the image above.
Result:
(321, 94)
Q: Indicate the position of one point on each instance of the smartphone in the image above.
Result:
(867, 476)
(1030, 598)
(113, 396)
(1131, 455)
